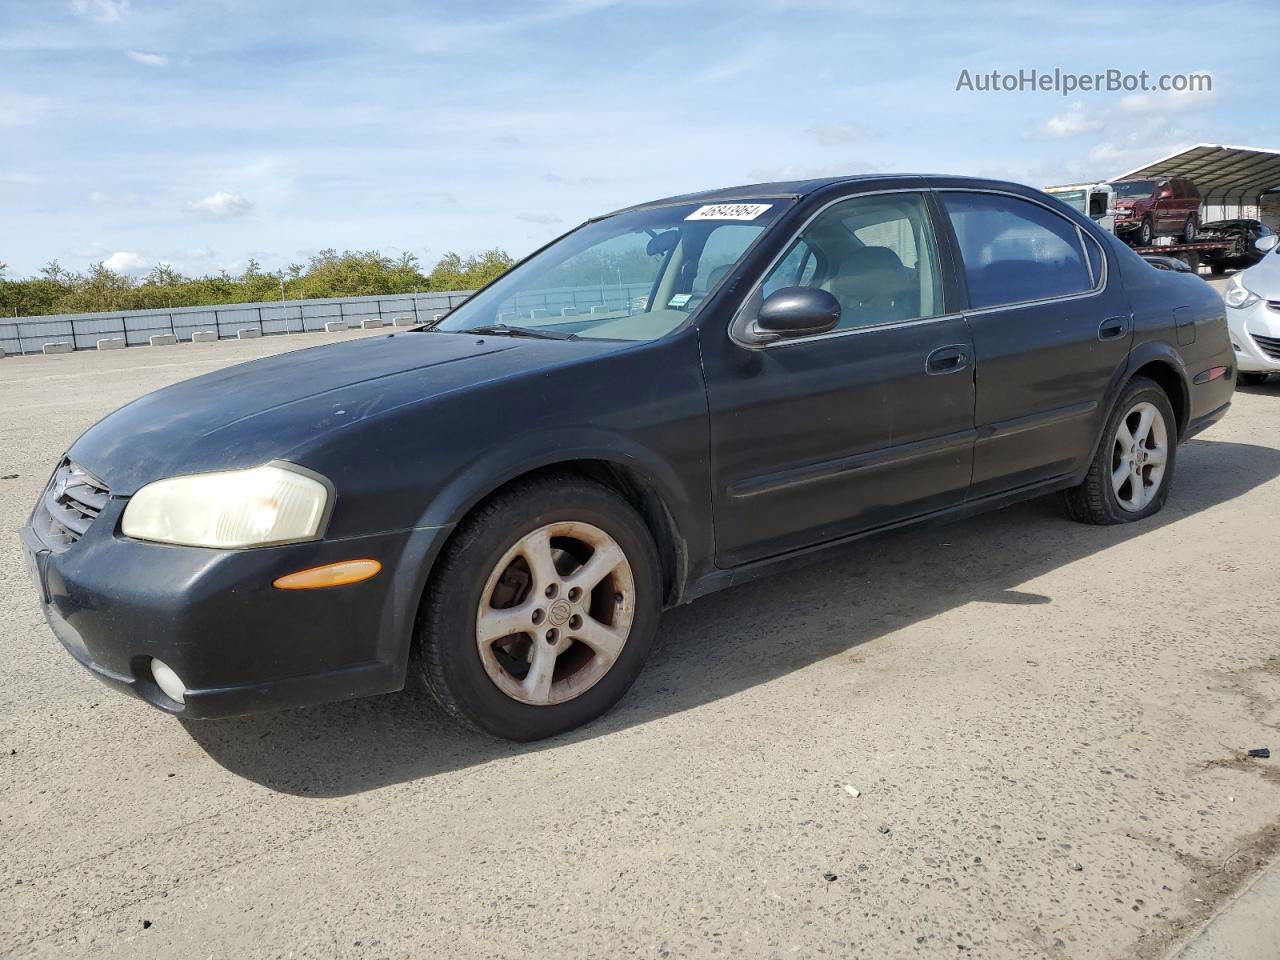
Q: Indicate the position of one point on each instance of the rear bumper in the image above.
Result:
(1203, 423)
(238, 644)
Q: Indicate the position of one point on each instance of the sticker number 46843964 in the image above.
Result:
(729, 211)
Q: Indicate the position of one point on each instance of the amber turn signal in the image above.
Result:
(329, 575)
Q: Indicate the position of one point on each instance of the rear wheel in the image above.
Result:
(1131, 472)
(540, 614)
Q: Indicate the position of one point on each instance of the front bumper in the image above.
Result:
(1258, 320)
(239, 644)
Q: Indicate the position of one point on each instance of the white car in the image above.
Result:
(1253, 314)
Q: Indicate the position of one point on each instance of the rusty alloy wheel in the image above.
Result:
(1139, 456)
(555, 613)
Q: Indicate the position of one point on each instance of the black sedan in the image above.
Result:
(666, 401)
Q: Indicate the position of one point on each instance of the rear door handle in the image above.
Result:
(947, 359)
(1113, 328)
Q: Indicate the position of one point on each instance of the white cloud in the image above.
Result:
(835, 134)
(222, 204)
(818, 171)
(124, 261)
(99, 199)
(19, 109)
(1171, 101)
(16, 178)
(197, 253)
(1072, 122)
(147, 59)
(104, 11)
(1148, 141)
(544, 219)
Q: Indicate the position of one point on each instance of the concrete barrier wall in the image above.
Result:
(227, 321)
(139, 327)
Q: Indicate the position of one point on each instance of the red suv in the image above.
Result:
(1163, 207)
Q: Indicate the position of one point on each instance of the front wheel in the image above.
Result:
(542, 609)
(1191, 230)
(1146, 233)
(1132, 470)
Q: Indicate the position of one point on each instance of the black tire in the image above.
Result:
(1094, 500)
(1252, 379)
(1146, 232)
(1191, 229)
(448, 653)
(1217, 267)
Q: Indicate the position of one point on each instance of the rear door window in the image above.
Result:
(1016, 251)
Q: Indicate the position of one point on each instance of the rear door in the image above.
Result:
(1050, 332)
(1190, 200)
(819, 437)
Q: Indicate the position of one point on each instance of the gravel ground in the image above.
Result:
(1044, 723)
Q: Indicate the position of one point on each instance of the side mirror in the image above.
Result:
(1166, 193)
(798, 312)
(1266, 244)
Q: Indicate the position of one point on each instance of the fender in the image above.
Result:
(546, 448)
(1139, 356)
(1157, 350)
(508, 462)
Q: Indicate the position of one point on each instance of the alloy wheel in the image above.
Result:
(1139, 456)
(555, 613)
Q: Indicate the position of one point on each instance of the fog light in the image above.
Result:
(168, 681)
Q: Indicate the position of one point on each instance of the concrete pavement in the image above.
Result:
(1045, 723)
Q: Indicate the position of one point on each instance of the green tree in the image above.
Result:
(327, 273)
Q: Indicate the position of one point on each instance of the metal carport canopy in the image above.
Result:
(1224, 175)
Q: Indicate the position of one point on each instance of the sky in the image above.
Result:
(203, 134)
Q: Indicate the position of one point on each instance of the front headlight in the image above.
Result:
(1238, 295)
(276, 503)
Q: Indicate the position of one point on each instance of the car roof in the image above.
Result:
(795, 189)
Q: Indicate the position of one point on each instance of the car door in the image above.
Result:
(818, 437)
(1188, 203)
(1050, 334)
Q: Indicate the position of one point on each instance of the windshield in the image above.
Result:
(1072, 198)
(1135, 189)
(634, 276)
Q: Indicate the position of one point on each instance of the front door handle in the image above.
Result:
(1113, 328)
(949, 359)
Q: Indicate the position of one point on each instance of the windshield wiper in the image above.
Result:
(506, 330)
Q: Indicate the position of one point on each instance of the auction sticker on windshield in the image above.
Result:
(729, 211)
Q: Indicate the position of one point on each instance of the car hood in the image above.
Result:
(271, 408)
(1263, 278)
